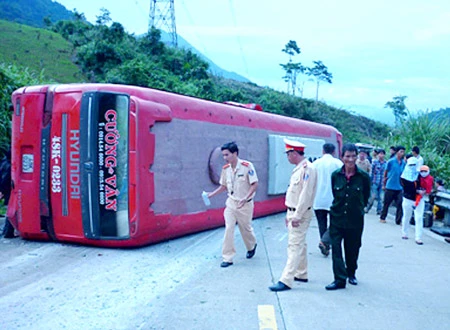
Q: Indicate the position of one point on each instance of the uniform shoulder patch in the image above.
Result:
(226, 166)
(245, 164)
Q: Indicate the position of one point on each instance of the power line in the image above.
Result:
(238, 38)
(193, 24)
(142, 10)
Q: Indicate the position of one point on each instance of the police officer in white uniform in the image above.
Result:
(299, 202)
(239, 179)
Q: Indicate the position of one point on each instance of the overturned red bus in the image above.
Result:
(123, 166)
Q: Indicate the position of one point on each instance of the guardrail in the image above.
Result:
(442, 200)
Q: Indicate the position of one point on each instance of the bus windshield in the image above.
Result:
(105, 157)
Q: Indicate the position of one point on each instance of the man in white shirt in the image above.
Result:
(416, 153)
(325, 166)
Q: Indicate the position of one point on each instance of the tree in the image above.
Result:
(104, 18)
(151, 44)
(78, 16)
(47, 21)
(398, 107)
(320, 72)
(292, 69)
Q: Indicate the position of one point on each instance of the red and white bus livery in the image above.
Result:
(124, 166)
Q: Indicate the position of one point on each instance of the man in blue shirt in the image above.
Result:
(378, 168)
(392, 186)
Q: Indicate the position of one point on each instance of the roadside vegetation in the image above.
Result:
(431, 133)
(11, 78)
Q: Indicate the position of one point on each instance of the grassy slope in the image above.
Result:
(38, 49)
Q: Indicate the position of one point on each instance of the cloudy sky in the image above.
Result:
(375, 49)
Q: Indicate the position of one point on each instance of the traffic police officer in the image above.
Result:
(240, 180)
(299, 201)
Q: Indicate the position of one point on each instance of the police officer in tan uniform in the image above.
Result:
(239, 179)
(299, 201)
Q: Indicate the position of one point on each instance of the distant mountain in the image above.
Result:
(32, 12)
(379, 114)
(441, 113)
(213, 68)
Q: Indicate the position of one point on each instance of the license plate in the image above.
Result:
(27, 163)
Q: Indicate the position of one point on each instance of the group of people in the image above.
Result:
(405, 180)
(328, 186)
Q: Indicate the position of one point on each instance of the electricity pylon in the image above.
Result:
(162, 16)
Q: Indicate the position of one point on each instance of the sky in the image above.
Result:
(376, 50)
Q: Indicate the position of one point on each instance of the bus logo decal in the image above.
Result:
(74, 166)
(107, 173)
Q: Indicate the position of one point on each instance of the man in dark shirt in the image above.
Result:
(391, 185)
(351, 191)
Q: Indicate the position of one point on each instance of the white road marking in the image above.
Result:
(266, 316)
(283, 237)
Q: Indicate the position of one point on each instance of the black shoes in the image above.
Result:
(225, 264)
(304, 280)
(280, 286)
(335, 285)
(324, 249)
(251, 253)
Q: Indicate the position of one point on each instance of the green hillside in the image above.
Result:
(32, 12)
(38, 49)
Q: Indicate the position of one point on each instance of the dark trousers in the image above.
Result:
(397, 197)
(322, 221)
(352, 243)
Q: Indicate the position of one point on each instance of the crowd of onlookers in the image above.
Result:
(402, 180)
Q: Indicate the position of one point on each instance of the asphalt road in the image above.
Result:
(179, 285)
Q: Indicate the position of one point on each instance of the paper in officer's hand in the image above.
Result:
(206, 198)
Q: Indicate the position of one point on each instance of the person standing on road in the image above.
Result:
(392, 151)
(378, 168)
(363, 163)
(5, 190)
(351, 191)
(392, 186)
(425, 187)
(324, 166)
(239, 179)
(299, 202)
(416, 153)
(375, 152)
(409, 181)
